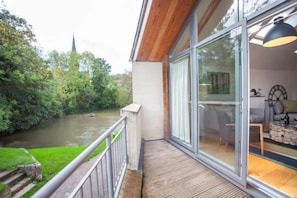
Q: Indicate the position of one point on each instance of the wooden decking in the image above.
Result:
(168, 172)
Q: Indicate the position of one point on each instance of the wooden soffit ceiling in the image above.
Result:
(165, 20)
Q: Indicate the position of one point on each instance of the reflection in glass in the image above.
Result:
(219, 83)
(183, 42)
(218, 119)
(217, 60)
(251, 6)
(213, 16)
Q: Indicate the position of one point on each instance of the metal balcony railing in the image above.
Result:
(105, 177)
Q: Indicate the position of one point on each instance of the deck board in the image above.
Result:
(168, 172)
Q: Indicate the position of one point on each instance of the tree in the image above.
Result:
(125, 89)
(104, 85)
(33, 89)
(26, 86)
(56, 60)
(86, 83)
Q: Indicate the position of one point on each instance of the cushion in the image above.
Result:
(278, 107)
(290, 106)
(256, 115)
(278, 117)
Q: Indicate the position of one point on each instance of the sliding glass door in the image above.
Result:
(210, 88)
(220, 101)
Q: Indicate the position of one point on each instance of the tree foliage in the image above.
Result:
(26, 86)
(33, 89)
(86, 83)
(125, 92)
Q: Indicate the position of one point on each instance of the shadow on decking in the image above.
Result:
(168, 172)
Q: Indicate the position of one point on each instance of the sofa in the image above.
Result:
(278, 109)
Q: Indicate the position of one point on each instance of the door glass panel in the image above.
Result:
(252, 6)
(219, 99)
(183, 43)
(270, 140)
(180, 96)
(213, 16)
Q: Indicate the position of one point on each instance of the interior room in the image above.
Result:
(273, 70)
(273, 83)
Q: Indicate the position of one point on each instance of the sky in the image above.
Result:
(104, 27)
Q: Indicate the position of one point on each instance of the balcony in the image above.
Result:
(168, 172)
(154, 169)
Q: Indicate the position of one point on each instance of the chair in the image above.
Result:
(227, 128)
(256, 116)
(227, 133)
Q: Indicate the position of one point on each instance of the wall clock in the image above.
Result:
(276, 93)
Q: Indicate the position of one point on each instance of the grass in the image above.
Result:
(2, 187)
(52, 160)
(11, 157)
(56, 158)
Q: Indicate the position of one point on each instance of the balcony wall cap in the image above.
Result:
(132, 108)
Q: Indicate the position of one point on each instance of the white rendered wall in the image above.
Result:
(148, 91)
(133, 127)
(265, 79)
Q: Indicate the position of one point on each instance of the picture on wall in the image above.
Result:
(219, 83)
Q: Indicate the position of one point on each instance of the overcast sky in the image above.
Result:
(104, 27)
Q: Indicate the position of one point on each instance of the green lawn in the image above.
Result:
(52, 160)
(2, 187)
(55, 158)
(11, 157)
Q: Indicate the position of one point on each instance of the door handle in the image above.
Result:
(200, 105)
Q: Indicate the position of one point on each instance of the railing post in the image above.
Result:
(133, 132)
(125, 140)
(109, 167)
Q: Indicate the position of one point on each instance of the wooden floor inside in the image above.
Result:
(273, 174)
(168, 172)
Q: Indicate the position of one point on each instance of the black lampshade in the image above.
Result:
(281, 33)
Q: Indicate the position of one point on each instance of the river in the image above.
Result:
(70, 130)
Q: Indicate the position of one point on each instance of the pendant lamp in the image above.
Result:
(281, 33)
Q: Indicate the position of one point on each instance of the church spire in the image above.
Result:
(73, 44)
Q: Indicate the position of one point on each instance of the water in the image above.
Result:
(71, 130)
